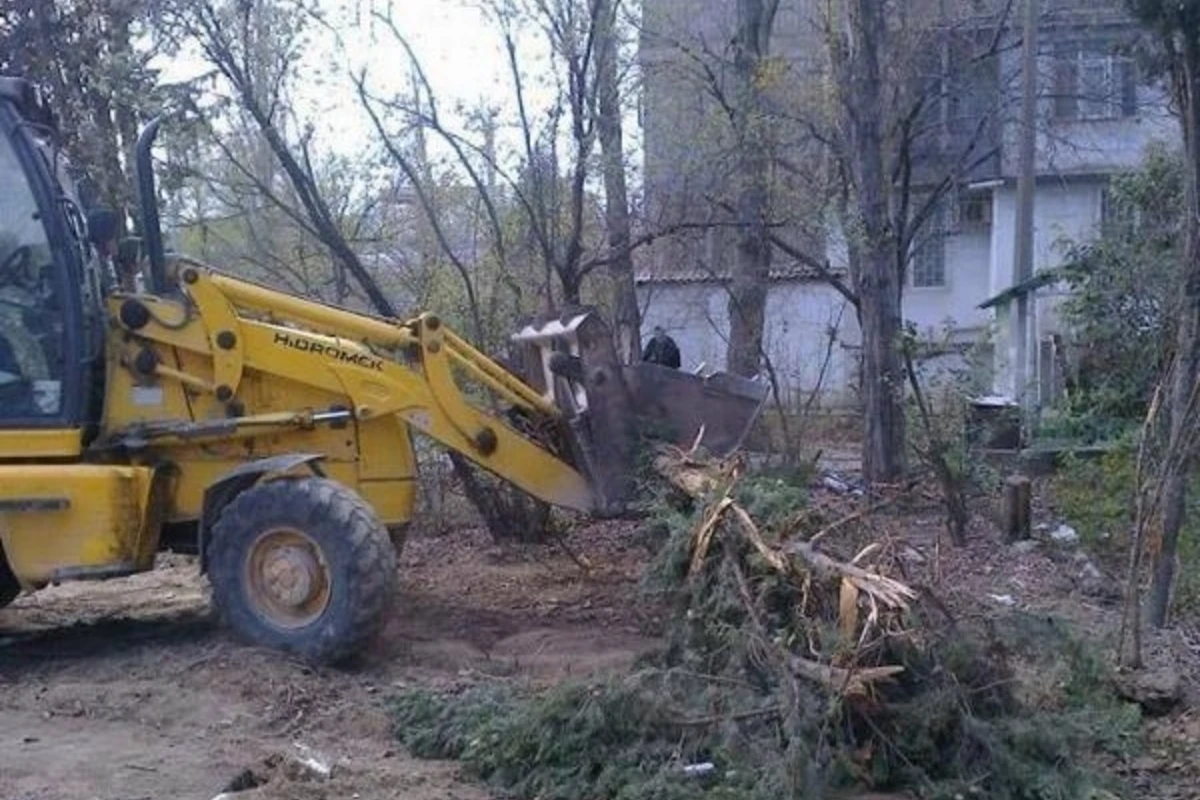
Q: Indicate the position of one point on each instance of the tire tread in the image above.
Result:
(332, 512)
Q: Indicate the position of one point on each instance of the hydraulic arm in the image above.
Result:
(367, 367)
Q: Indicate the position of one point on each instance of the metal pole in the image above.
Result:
(1024, 377)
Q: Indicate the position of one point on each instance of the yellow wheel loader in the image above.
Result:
(266, 433)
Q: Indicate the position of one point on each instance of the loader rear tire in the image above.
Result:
(302, 565)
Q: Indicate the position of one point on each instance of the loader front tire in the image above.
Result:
(302, 565)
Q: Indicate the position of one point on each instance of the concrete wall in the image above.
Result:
(800, 317)
(695, 316)
(1080, 146)
(801, 312)
(934, 309)
(1065, 210)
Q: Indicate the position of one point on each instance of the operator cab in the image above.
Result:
(51, 325)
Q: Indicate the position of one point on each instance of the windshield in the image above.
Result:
(31, 325)
(20, 219)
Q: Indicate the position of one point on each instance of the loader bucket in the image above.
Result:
(715, 412)
(571, 360)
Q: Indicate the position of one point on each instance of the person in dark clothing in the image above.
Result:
(661, 349)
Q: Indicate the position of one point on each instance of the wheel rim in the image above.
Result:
(287, 578)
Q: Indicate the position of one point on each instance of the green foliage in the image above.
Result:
(949, 728)
(771, 500)
(577, 741)
(1077, 693)
(440, 726)
(1187, 580)
(1078, 423)
(955, 727)
(1124, 287)
(1097, 495)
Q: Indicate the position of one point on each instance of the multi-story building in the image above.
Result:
(1096, 116)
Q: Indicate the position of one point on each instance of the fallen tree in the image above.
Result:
(798, 661)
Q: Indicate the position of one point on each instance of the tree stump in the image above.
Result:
(1018, 508)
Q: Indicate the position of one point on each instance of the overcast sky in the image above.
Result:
(460, 49)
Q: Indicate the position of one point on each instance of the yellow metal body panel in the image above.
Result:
(72, 521)
(369, 451)
(22, 444)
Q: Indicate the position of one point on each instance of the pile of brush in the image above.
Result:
(835, 614)
(833, 669)
(799, 662)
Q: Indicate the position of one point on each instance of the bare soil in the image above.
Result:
(130, 689)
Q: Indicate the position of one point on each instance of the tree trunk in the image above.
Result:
(882, 372)
(747, 306)
(1187, 350)
(572, 286)
(508, 513)
(752, 262)
(626, 318)
(878, 274)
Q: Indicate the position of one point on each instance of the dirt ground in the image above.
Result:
(129, 690)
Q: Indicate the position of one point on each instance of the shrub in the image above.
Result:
(1097, 497)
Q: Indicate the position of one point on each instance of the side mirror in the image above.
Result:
(103, 225)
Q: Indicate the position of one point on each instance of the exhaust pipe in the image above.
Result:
(148, 202)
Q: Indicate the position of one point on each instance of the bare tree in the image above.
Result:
(1176, 27)
(609, 107)
(753, 147)
(559, 220)
(237, 38)
(897, 159)
(857, 55)
(221, 216)
(859, 122)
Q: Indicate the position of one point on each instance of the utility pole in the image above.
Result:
(1024, 366)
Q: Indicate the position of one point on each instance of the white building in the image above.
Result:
(1095, 118)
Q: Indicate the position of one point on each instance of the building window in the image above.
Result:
(1092, 82)
(973, 212)
(928, 264)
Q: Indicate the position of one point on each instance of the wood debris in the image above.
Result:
(841, 681)
(859, 593)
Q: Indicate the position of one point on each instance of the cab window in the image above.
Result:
(32, 362)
